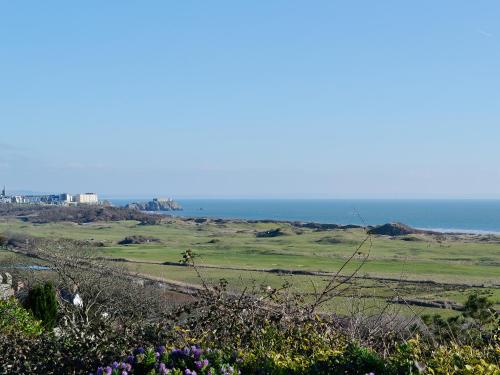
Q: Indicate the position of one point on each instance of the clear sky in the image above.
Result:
(319, 99)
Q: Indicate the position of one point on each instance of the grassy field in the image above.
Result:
(232, 251)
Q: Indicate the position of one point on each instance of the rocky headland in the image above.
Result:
(157, 204)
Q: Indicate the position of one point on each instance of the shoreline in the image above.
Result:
(331, 226)
(480, 217)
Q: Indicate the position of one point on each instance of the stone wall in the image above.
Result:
(6, 289)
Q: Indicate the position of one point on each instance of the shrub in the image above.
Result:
(42, 302)
(475, 326)
(412, 357)
(188, 361)
(3, 241)
(480, 307)
(15, 319)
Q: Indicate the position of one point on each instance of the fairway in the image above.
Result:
(231, 250)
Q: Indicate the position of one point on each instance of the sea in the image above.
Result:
(466, 216)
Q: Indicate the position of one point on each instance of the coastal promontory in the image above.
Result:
(157, 204)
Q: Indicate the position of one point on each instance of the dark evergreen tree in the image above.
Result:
(42, 302)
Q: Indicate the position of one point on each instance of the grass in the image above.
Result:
(455, 260)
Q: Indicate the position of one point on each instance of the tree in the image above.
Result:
(42, 302)
(480, 308)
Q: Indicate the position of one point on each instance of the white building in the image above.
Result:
(63, 199)
(86, 198)
(18, 199)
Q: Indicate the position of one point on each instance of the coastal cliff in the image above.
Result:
(157, 204)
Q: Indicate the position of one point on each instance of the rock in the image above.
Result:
(157, 204)
(396, 229)
(6, 289)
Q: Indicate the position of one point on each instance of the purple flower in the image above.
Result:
(130, 359)
(187, 372)
(100, 371)
(123, 365)
(205, 362)
(128, 367)
(162, 369)
(139, 351)
(115, 365)
(160, 349)
(108, 370)
(199, 365)
(197, 352)
(124, 372)
(177, 353)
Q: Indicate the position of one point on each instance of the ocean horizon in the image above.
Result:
(444, 215)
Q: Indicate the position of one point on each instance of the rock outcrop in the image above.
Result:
(157, 204)
(397, 229)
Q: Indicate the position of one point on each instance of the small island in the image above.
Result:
(157, 204)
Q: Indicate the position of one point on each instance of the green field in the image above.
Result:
(232, 251)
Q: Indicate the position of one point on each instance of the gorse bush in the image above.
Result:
(43, 304)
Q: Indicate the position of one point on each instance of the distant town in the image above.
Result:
(63, 199)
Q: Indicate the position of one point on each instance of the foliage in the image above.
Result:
(188, 361)
(474, 326)
(411, 357)
(3, 241)
(42, 302)
(15, 319)
(79, 214)
(261, 330)
(464, 360)
(480, 307)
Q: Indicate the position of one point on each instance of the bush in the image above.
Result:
(188, 361)
(475, 326)
(15, 319)
(481, 308)
(42, 302)
(412, 357)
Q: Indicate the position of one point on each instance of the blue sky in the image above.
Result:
(307, 99)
